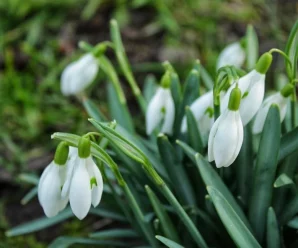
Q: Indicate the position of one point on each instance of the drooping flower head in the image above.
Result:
(280, 99)
(51, 182)
(226, 135)
(233, 54)
(78, 75)
(161, 108)
(252, 86)
(202, 109)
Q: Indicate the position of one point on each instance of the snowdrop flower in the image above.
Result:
(252, 86)
(84, 184)
(226, 135)
(51, 181)
(233, 54)
(279, 98)
(161, 107)
(78, 75)
(202, 109)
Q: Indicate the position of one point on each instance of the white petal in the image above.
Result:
(252, 102)
(96, 189)
(198, 108)
(80, 191)
(154, 110)
(211, 137)
(283, 103)
(79, 74)
(50, 192)
(169, 118)
(41, 180)
(226, 139)
(71, 164)
(205, 124)
(233, 54)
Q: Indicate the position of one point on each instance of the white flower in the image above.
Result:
(233, 54)
(49, 189)
(79, 74)
(200, 111)
(83, 186)
(278, 99)
(252, 86)
(161, 106)
(226, 135)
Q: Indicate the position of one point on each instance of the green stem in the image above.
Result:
(125, 67)
(293, 112)
(146, 228)
(183, 216)
(283, 54)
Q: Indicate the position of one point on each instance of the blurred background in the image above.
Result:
(39, 38)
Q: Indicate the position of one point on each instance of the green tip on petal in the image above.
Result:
(61, 154)
(287, 90)
(166, 80)
(264, 63)
(235, 98)
(84, 147)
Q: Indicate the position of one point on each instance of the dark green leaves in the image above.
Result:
(264, 174)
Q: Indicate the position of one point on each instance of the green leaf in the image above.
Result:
(252, 47)
(273, 235)
(29, 178)
(233, 223)
(114, 233)
(207, 79)
(293, 223)
(167, 242)
(264, 173)
(191, 153)
(288, 144)
(176, 172)
(289, 210)
(150, 86)
(39, 224)
(194, 134)
(29, 196)
(282, 180)
(118, 110)
(211, 178)
(107, 213)
(244, 166)
(165, 221)
(64, 242)
(92, 110)
(291, 50)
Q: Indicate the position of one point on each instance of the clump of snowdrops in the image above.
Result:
(214, 165)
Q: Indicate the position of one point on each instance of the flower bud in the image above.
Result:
(166, 80)
(264, 63)
(84, 147)
(235, 99)
(287, 90)
(61, 153)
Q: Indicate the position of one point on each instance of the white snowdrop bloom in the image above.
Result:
(233, 54)
(79, 75)
(226, 135)
(277, 99)
(83, 185)
(202, 110)
(161, 107)
(252, 86)
(49, 189)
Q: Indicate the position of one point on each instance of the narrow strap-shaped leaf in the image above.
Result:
(194, 134)
(108, 213)
(175, 170)
(291, 49)
(39, 224)
(282, 180)
(150, 86)
(114, 233)
(264, 173)
(211, 178)
(252, 47)
(167, 242)
(190, 152)
(293, 223)
(118, 110)
(93, 110)
(288, 144)
(65, 241)
(289, 210)
(233, 223)
(165, 221)
(244, 166)
(29, 178)
(29, 196)
(273, 235)
(207, 79)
